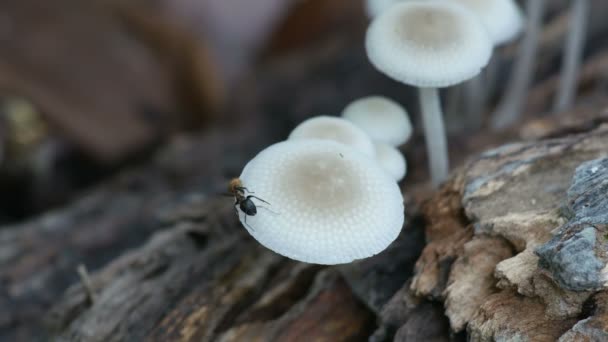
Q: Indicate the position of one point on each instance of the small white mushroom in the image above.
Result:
(429, 44)
(328, 204)
(391, 160)
(503, 19)
(381, 118)
(335, 129)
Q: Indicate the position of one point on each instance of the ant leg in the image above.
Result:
(238, 214)
(262, 207)
(248, 226)
(256, 197)
(266, 208)
(241, 188)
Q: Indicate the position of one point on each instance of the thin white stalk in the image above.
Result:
(573, 52)
(510, 108)
(434, 133)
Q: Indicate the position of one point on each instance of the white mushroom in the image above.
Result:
(335, 129)
(327, 203)
(381, 118)
(391, 160)
(502, 18)
(429, 44)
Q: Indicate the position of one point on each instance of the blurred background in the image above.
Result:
(87, 88)
(193, 89)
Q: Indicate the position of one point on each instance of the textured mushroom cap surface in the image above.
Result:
(391, 160)
(373, 8)
(503, 19)
(381, 118)
(428, 43)
(331, 204)
(334, 129)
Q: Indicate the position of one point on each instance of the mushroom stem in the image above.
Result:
(572, 56)
(434, 132)
(510, 108)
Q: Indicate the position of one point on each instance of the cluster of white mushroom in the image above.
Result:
(329, 194)
(387, 125)
(374, 126)
(331, 187)
(439, 43)
(429, 45)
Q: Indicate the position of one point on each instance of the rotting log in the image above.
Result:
(192, 283)
(201, 256)
(39, 258)
(488, 227)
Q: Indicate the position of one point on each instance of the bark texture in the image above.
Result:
(517, 241)
(38, 258)
(196, 282)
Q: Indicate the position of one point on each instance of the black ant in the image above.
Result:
(243, 201)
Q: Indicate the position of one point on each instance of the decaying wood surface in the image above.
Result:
(38, 258)
(186, 285)
(493, 257)
(204, 280)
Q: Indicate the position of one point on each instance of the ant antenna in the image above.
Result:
(245, 189)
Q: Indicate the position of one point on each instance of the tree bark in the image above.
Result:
(495, 258)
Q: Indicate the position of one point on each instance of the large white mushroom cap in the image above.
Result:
(331, 204)
(428, 43)
(391, 160)
(335, 129)
(381, 118)
(503, 19)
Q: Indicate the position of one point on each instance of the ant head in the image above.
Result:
(234, 185)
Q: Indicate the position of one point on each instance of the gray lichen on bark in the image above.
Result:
(574, 255)
(572, 263)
